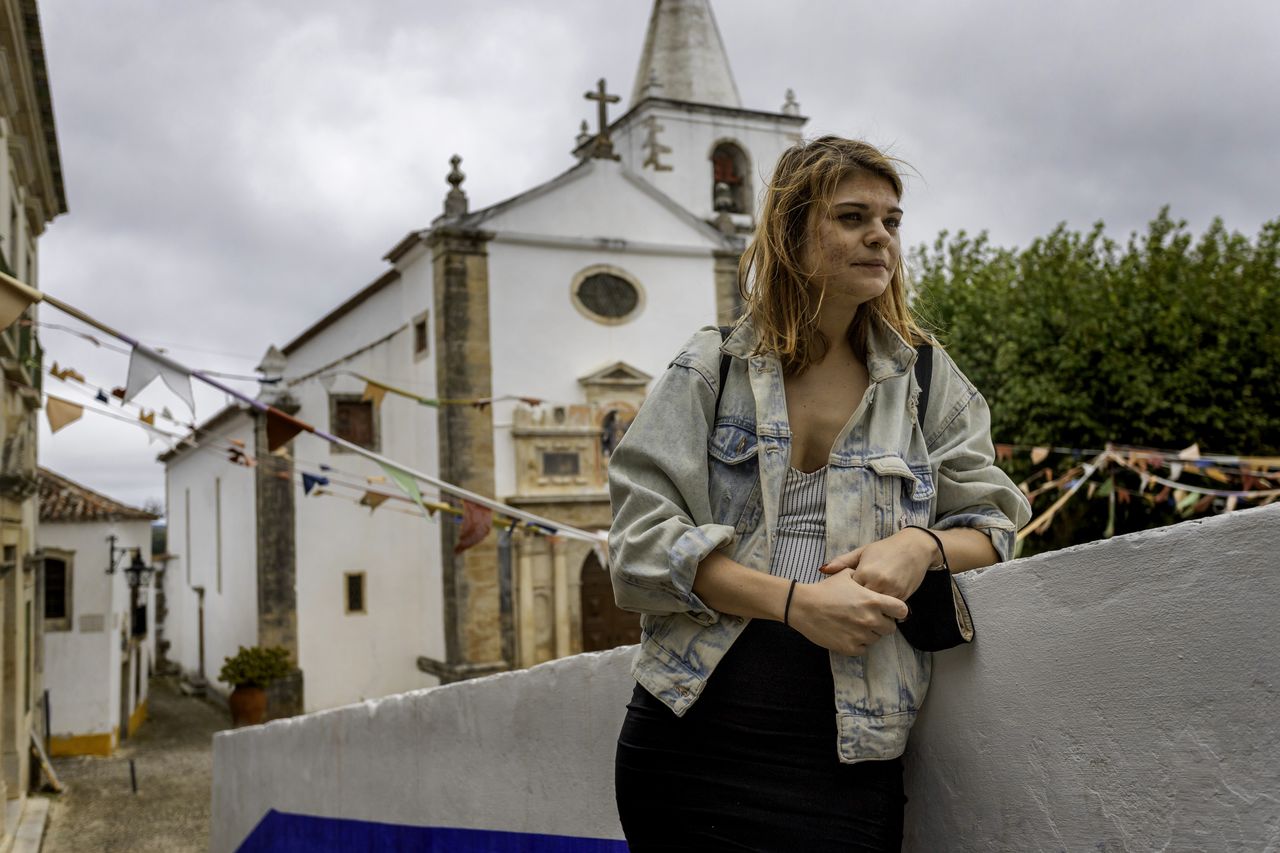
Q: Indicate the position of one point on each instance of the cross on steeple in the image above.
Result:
(602, 147)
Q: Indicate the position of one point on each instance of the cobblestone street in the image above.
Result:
(174, 758)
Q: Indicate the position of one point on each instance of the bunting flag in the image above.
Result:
(374, 392)
(408, 485)
(238, 457)
(477, 521)
(327, 380)
(373, 500)
(61, 412)
(281, 429)
(143, 369)
(374, 479)
(1039, 454)
(15, 297)
(118, 393)
(102, 397)
(65, 373)
(148, 418)
(310, 481)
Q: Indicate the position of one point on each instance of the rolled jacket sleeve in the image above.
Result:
(658, 487)
(972, 490)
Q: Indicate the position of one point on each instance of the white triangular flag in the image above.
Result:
(143, 369)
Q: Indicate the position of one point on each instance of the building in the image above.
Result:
(32, 194)
(570, 295)
(99, 642)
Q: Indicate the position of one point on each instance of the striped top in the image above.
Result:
(800, 541)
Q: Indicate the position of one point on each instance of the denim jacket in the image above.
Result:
(682, 486)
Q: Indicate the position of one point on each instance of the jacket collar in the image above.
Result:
(888, 354)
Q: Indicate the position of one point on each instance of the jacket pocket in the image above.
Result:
(904, 493)
(734, 476)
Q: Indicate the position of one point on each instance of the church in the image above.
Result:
(528, 332)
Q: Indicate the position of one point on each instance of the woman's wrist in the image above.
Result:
(925, 544)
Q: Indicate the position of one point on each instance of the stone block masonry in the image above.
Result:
(1120, 696)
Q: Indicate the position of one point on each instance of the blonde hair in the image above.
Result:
(782, 306)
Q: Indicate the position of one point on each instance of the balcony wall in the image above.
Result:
(1121, 696)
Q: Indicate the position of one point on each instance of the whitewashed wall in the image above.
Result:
(1120, 695)
(399, 553)
(231, 608)
(82, 669)
(531, 309)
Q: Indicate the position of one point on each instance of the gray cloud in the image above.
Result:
(236, 169)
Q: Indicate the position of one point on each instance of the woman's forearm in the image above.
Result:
(967, 548)
(729, 587)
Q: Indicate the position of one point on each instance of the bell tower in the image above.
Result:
(685, 129)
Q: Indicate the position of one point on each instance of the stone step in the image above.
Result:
(30, 834)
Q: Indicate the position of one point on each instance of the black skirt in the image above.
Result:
(753, 765)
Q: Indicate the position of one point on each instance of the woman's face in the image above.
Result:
(853, 244)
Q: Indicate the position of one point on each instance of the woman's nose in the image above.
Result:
(877, 235)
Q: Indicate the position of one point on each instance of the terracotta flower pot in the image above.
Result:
(248, 706)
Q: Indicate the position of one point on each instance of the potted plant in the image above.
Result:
(250, 671)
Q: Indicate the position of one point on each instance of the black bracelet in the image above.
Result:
(941, 550)
(786, 611)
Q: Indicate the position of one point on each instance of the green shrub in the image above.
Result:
(256, 666)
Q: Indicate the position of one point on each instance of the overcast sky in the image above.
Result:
(235, 169)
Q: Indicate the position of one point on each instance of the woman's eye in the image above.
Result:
(851, 217)
(892, 223)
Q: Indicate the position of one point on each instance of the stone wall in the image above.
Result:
(1120, 696)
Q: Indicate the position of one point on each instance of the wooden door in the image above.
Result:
(604, 624)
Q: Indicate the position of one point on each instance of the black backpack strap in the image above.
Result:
(924, 373)
(725, 361)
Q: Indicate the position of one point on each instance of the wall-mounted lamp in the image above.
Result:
(137, 573)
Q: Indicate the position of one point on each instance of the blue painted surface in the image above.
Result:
(283, 832)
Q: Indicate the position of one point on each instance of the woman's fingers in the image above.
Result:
(892, 608)
(844, 561)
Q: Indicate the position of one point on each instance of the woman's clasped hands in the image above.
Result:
(864, 595)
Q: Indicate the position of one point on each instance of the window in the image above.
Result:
(57, 592)
(421, 336)
(354, 419)
(607, 295)
(612, 427)
(560, 464)
(730, 170)
(354, 591)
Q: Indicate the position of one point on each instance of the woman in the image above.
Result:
(770, 532)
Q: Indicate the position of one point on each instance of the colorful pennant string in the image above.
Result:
(61, 412)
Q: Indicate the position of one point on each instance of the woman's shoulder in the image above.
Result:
(701, 352)
(948, 377)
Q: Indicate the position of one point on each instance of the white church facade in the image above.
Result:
(621, 257)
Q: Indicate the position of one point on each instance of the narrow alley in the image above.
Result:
(173, 757)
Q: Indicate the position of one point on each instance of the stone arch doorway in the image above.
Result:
(604, 624)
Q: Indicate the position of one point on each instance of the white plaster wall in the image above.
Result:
(692, 135)
(531, 312)
(399, 553)
(82, 670)
(530, 304)
(378, 315)
(231, 614)
(1120, 696)
(598, 201)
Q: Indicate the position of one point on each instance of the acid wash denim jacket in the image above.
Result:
(682, 486)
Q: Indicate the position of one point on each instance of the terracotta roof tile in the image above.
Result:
(64, 500)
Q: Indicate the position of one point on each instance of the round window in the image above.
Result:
(607, 294)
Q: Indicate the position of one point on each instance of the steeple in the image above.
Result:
(684, 56)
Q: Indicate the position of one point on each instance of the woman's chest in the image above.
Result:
(819, 407)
